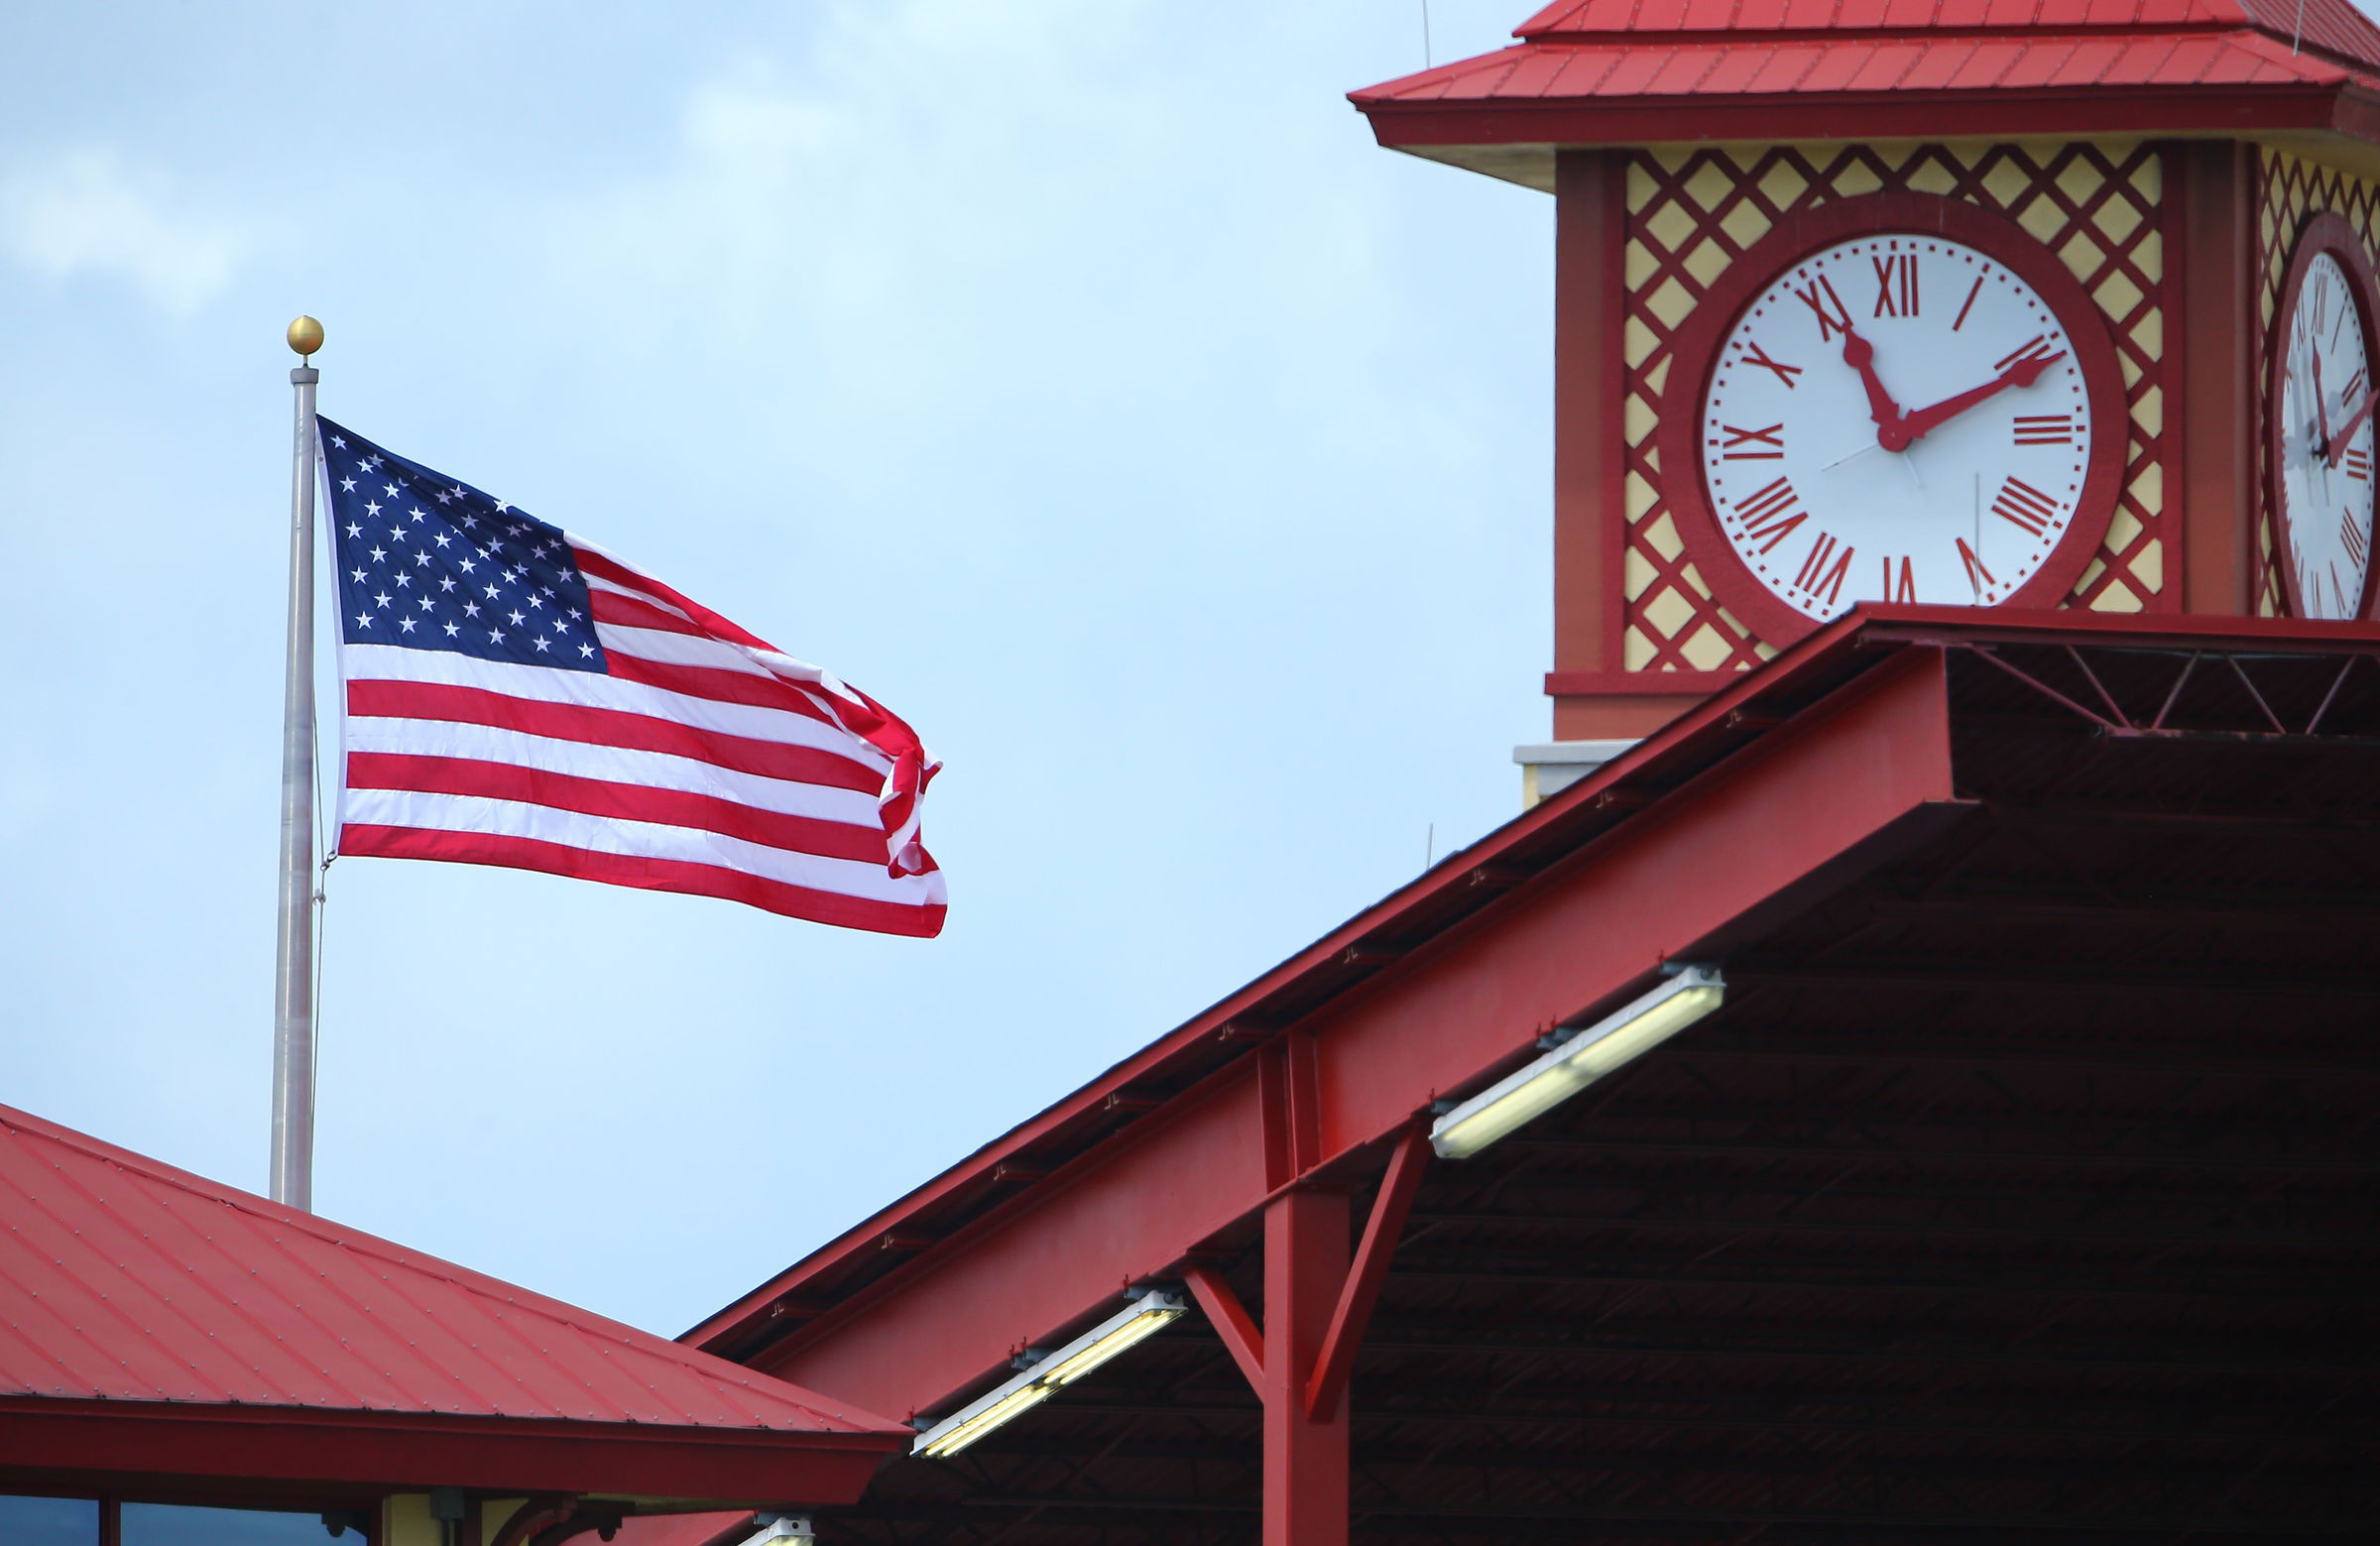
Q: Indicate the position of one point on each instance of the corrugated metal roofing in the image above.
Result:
(125, 1280)
(1583, 50)
(2335, 26)
(1552, 71)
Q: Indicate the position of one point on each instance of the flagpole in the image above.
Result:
(293, 995)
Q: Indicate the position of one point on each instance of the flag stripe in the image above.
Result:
(594, 562)
(699, 681)
(512, 781)
(613, 606)
(761, 722)
(631, 839)
(608, 726)
(921, 921)
(612, 765)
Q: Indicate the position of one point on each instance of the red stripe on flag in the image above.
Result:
(658, 875)
(709, 681)
(629, 612)
(620, 574)
(624, 801)
(609, 727)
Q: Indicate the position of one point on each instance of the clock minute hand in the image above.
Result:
(1911, 426)
(2335, 445)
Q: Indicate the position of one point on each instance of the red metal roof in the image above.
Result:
(127, 1282)
(2330, 26)
(1618, 71)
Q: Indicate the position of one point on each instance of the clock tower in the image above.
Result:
(2004, 304)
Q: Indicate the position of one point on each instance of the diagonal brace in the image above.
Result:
(1231, 1320)
(1365, 1274)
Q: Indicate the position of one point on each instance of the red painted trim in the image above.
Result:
(1590, 455)
(1380, 1234)
(2212, 404)
(1875, 115)
(1641, 685)
(1794, 238)
(2322, 232)
(1231, 1320)
(340, 1449)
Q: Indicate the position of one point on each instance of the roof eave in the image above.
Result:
(163, 1443)
(1515, 141)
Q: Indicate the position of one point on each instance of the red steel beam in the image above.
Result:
(1808, 805)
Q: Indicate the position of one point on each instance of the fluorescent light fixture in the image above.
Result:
(1150, 1313)
(782, 1530)
(1625, 1033)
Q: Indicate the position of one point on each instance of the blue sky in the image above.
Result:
(1077, 378)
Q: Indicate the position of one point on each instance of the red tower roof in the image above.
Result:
(138, 1292)
(1635, 71)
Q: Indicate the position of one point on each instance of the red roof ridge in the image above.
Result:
(295, 1373)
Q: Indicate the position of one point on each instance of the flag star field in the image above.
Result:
(435, 564)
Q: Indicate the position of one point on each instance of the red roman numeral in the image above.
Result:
(1754, 354)
(2045, 429)
(1896, 284)
(2354, 539)
(1829, 321)
(1901, 586)
(1821, 573)
(1773, 437)
(1972, 290)
(2358, 462)
(2025, 505)
(1769, 513)
(1977, 577)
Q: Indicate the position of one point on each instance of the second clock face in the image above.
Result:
(1897, 418)
(2323, 453)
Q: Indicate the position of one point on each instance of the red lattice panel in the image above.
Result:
(2288, 191)
(1693, 213)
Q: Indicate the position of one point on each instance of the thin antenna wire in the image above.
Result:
(1425, 31)
(1429, 847)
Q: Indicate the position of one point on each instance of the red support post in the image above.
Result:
(1305, 1457)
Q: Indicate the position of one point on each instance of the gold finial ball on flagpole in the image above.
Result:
(306, 335)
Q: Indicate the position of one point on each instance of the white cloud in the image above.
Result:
(87, 214)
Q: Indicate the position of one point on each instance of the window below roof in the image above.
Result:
(75, 1521)
(171, 1524)
(49, 1521)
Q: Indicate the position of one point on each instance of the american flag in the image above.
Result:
(517, 696)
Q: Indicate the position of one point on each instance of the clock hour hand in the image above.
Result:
(2025, 372)
(2321, 408)
(1860, 355)
(2333, 444)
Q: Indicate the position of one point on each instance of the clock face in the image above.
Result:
(2323, 438)
(1900, 416)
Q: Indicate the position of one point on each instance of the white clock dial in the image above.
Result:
(1898, 417)
(2325, 445)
